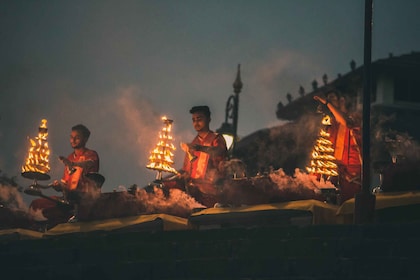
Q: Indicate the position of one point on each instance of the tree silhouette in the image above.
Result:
(301, 91)
(352, 65)
(289, 97)
(325, 79)
(314, 85)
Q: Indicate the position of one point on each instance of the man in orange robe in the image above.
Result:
(345, 135)
(200, 172)
(76, 181)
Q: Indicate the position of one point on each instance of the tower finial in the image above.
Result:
(237, 85)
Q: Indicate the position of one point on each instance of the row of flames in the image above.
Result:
(322, 163)
(161, 158)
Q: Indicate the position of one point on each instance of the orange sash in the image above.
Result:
(340, 142)
(203, 158)
(75, 178)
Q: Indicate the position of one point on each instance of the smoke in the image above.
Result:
(270, 188)
(141, 122)
(125, 132)
(13, 210)
(125, 140)
(300, 182)
(37, 215)
(286, 70)
(12, 198)
(139, 202)
(176, 202)
(391, 141)
(273, 187)
(287, 146)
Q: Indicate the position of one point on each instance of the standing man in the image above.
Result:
(76, 180)
(345, 136)
(203, 155)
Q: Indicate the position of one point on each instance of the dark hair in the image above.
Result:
(203, 109)
(332, 91)
(82, 129)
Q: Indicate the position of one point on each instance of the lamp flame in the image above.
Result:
(37, 159)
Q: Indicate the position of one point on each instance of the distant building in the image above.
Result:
(395, 90)
(395, 100)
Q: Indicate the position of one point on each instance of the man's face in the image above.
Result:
(77, 140)
(333, 99)
(200, 122)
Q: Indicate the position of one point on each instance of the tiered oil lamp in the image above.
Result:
(322, 163)
(323, 160)
(36, 166)
(161, 158)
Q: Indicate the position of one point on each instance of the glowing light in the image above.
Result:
(228, 139)
(326, 120)
(37, 159)
(161, 157)
(323, 161)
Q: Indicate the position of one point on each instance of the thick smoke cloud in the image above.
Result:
(273, 187)
(137, 201)
(11, 197)
(11, 193)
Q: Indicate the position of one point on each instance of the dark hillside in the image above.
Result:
(287, 146)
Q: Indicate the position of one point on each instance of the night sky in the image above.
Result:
(119, 66)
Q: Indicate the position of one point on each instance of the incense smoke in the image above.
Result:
(37, 215)
(12, 198)
(287, 146)
(273, 187)
(285, 70)
(177, 202)
(390, 140)
(139, 202)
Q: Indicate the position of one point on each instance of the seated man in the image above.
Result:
(200, 171)
(79, 176)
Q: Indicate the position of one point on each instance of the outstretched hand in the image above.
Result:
(320, 99)
(188, 150)
(65, 160)
(184, 147)
(57, 186)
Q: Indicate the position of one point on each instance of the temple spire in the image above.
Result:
(237, 85)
